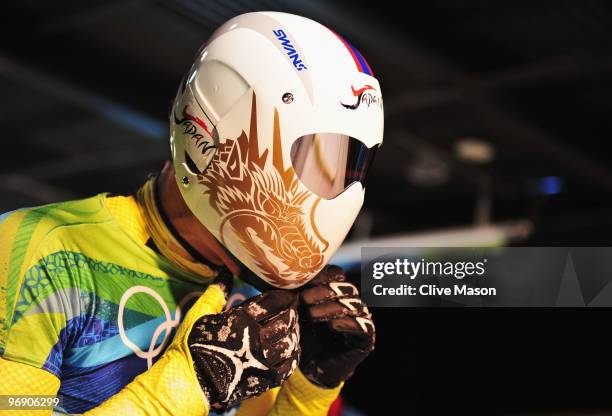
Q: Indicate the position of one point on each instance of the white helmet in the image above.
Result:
(272, 132)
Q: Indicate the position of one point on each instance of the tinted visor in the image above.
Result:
(327, 163)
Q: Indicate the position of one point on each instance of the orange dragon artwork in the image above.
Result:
(264, 207)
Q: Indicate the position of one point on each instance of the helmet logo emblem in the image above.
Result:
(291, 51)
(263, 208)
(366, 94)
(190, 125)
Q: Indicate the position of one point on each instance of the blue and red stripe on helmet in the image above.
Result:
(362, 64)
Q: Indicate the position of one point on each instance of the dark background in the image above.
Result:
(85, 88)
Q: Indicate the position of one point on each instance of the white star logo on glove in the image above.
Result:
(242, 359)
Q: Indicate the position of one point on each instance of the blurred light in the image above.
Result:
(550, 185)
(474, 150)
(135, 121)
(427, 170)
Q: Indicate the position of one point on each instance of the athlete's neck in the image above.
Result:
(186, 224)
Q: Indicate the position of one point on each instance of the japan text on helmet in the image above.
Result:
(272, 133)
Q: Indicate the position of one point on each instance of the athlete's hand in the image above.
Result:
(171, 385)
(247, 349)
(336, 328)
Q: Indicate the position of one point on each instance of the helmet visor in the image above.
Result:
(327, 163)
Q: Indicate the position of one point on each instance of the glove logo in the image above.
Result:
(247, 349)
(241, 359)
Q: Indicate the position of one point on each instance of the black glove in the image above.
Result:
(336, 328)
(247, 349)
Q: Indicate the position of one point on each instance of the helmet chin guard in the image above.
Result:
(272, 133)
